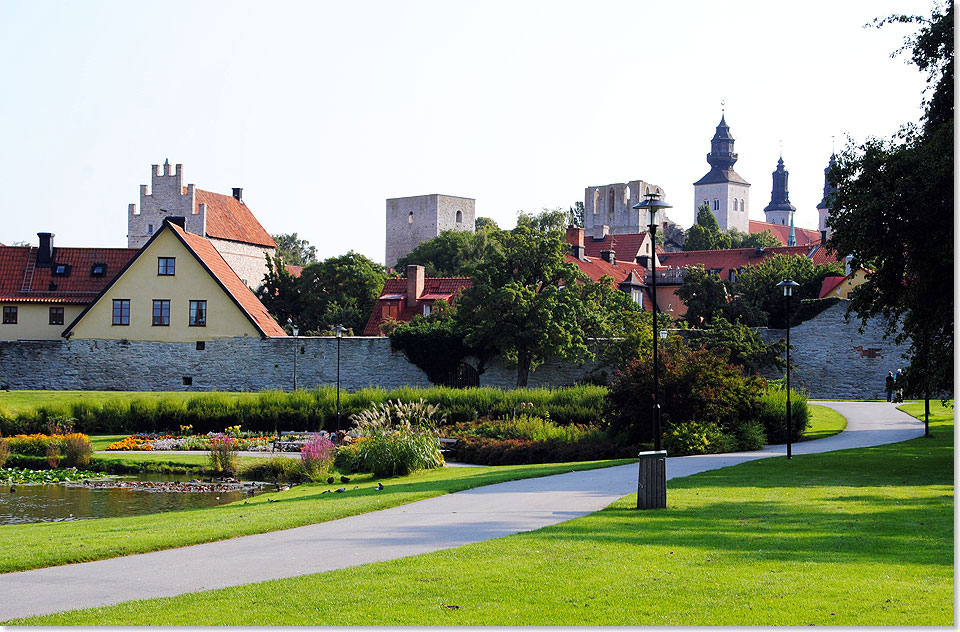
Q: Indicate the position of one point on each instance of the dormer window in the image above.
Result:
(61, 269)
(98, 269)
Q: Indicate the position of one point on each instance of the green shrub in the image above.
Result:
(490, 451)
(76, 451)
(772, 414)
(397, 438)
(273, 470)
(695, 437)
(4, 451)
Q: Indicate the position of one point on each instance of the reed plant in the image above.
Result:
(223, 455)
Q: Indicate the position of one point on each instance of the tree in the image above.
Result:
(485, 223)
(452, 252)
(706, 233)
(546, 221)
(893, 212)
(576, 214)
(522, 304)
(279, 292)
(293, 250)
(757, 290)
(704, 294)
(765, 239)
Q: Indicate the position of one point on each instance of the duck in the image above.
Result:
(344, 479)
(379, 487)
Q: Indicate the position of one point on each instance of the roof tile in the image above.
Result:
(230, 219)
(80, 287)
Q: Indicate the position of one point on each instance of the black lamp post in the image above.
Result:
(788, 285)
(652, 205)
(296, 349)
(338, 332)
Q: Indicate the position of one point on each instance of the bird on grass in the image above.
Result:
(326, 491)
(330, 480)
(344, 479)
(270, 500)
(379, 487)
(340, 490)
(356, 487)
(13, 489)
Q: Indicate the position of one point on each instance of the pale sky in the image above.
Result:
(322, 110)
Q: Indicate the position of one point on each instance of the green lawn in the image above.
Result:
(858, 537)
(824, 422)
(25, 546)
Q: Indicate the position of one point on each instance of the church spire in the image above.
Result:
(827, 202)
(792, 239)
(780, 210)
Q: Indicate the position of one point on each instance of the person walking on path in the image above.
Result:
(890, 385)
(898, 383)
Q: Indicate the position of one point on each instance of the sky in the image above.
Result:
(323, 110)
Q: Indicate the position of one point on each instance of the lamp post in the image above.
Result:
(653, 204)
(788, 285)
(296, 348)
(338, 332)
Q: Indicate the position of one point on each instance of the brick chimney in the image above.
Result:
(45, 251)
(575, 239)
(414, 284)
(238, 194)
(609, 256)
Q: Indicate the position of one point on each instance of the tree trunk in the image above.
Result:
(523, 368)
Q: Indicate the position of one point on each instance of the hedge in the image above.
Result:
(311, 410)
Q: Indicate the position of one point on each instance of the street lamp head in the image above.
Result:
(788, 285)
(296, 330)
(652, 204)
(663, 334)
(339, 330)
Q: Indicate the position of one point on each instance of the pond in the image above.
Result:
(74, 501)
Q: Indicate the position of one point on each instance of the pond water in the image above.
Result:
(54, 503)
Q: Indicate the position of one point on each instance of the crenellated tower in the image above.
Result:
(722, 189)
(167, 197)
(780, 210)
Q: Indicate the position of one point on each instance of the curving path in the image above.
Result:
(422, 527)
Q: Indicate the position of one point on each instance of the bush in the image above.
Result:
(76, 450)
(4, 451)
(772, 414)
(699, 385)
(274, 470)
(223, 455)
(53, 455)
(316, 458)
(695, 437)
(397, 438)
(489, 451)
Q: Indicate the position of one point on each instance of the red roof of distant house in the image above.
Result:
(394, 295)
(595, 268)
(722, 261)
(237, 289)
(626, 247)
(294, 270)
(830, 283)
(805, 236)
(230, 219)
(79, 286)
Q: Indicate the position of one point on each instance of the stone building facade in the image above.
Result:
(608, 208)
(413, 220)
(224, 219)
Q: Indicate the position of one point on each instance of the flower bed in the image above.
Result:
(247, 442)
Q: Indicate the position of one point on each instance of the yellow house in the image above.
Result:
(841, 287)
(43, 288)
(177, 288)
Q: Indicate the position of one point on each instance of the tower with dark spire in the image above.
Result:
(780, 210)
(827, 202)
(722, 188)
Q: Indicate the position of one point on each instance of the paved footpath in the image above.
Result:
(421, 527)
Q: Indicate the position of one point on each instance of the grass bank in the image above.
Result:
(858, 537)
(27, 546)
(824, 422)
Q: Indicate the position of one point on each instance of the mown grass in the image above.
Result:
(858, 537)
(21, 401)
(26, 546)
(824, 422)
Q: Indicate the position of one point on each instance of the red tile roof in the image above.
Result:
(231, 283)
(830, 283)
(434, 288)
(22, 281)
(595, 268)
(805, 236)
(230, 219)
(726, 260)
(626, 247)
(293, 270)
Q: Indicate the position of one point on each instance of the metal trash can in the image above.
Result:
(652, 481)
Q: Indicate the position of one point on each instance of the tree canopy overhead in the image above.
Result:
(893, 211)
(293, 250)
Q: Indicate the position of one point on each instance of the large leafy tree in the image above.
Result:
(704, 294)
(452, 253)
(893, 211)
(705, 234)
(524, 304)
(293, 250)
(756, 289)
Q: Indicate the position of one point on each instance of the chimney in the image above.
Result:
(177, 221)
(45, 251)
(609, 256)
(643, 260)
(575, 239)
(238, 194)
(823, 236)
(414, 284)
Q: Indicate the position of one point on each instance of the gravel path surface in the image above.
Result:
(422, 527)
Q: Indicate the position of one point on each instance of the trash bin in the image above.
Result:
(652, 481)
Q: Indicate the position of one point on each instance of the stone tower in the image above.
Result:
(827, 202)
(413, 220)
(608, 209)
(722, 189)
(167, 198)
(780, 210)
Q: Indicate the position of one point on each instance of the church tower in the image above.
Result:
(780, 210)
(827, 202)
(722, 189)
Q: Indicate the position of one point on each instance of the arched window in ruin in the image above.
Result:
(459, 217)
(410, 218)
(596, 201)
(610, 203)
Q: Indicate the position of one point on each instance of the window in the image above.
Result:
(56, 315)
(198, 313)
(161, 312)
(121, 311)
(410, 218)
(61, 269)
(9, 314)
(459, 217)
(149, 229)
(166, 266)
(188, 380)
(733, 276)
(426, 309)
(201, 345)
(391, 309)
(716, 205)
(98, 269)
(637, 296)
